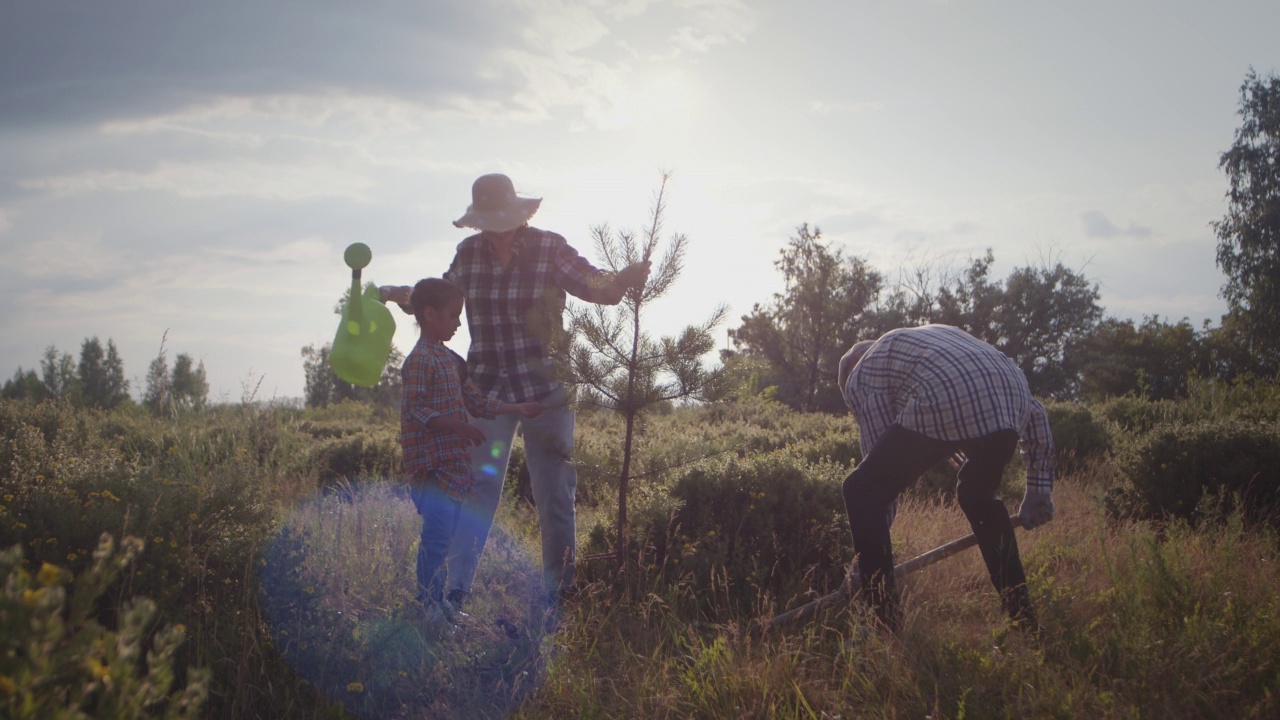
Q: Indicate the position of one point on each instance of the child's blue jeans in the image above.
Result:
(439, 519)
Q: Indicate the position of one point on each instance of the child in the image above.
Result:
(435, 434)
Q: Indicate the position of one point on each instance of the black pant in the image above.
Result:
(898, 459)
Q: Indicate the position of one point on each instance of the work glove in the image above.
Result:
(1036, 510)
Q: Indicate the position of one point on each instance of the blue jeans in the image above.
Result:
(548, 445)
(439, 520)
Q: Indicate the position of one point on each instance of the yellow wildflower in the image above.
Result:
(71, 557)
(49, 575)
(31, 598)
(97, 669)
(355, 687)
(8, 497)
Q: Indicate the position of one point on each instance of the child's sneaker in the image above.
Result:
(432, 613)
(451, 614)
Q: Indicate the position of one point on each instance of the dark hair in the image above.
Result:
(433, 293)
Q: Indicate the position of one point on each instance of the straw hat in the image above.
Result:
(495, 207)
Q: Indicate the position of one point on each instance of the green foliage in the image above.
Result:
(1152, 360)
(356, 456)
(1188, 624)
(1078, 435)
(805, 329)
(186, 388)
(1133, 416)
(196, 491)
(1044, 310)
(1244, 397)
(1141, 618)
(1175, 467)
(58, 373)
(58, 662)
(617, 365)
(1249, 234)
(766, 526)
(101, 375)
(24, 385)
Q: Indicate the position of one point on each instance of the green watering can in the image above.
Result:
(363, 342)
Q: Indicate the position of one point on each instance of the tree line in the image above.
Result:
(1047, 317)
(97, 380)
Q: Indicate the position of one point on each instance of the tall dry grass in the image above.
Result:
(299, 601)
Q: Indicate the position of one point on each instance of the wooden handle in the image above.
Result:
(852, 583)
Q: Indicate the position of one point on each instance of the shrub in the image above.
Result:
(1078, 435)
(1174, 467)
(1136, 416)
(57, 661)
(368, 453)
(196, 491)
(769, 523)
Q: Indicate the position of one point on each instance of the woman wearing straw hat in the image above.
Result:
(515, 278)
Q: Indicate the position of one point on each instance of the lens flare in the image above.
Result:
(357, 548)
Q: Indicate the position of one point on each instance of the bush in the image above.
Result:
(1175, 466)
(768, 523)
(1136, 416)
(195, 489)
(57, 661)
(358, 455)
(1078, 435)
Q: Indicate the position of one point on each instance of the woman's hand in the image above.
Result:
(461, 428)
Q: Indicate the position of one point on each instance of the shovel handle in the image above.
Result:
(851, 583)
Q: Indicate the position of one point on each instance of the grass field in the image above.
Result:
(280, 545)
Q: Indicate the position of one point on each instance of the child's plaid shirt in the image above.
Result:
(435, 385)
(514, 311)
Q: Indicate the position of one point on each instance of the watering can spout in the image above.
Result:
(363, 341)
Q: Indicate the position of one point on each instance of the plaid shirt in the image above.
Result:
(943, 383)
(514, 311)
(435, 385)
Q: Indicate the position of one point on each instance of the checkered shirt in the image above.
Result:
(943, 383)
(436, 385)
(514, 311)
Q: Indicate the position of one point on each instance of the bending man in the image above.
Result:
(921, 395)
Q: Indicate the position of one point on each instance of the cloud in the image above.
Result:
(65, 61)
(1095, 224)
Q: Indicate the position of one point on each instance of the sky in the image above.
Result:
(191, 172)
